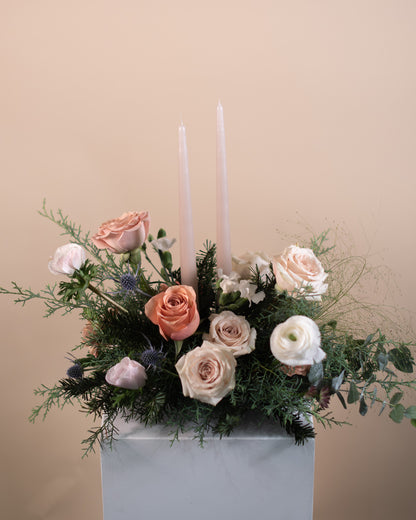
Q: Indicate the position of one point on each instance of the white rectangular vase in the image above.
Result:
(255, 474)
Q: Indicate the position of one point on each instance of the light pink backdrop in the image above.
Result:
(320, 111)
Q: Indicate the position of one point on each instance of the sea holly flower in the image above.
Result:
(207, 373)
(124, 233)
(232, 332)
(297, 342)
(298, 271)
(67, 259)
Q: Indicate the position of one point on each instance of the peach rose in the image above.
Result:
(127, 374)
(124, 233)
(175, 311)
(67, 259)
(207, 373)
(298, 269)
(233, 332)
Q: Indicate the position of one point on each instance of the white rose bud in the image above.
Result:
(207, 373)
(232, 332)
(67, 259)
(127, 374)
(298, 269)
(297, 342)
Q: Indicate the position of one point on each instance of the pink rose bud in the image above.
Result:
(124, 233)
(127, 374)
(67, 259)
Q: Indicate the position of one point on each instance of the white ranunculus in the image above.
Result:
(232, 332)
(297, 342)
(207, 373)
(67, 259)
(245, 264)
(297, 270)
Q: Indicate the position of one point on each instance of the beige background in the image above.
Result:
(320, 110)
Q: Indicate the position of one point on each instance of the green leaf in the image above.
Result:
(402, 359)
(368, 340)
(413, 422)
(363, 407)
(316, 374)
(382, 360)
(337, 381)
(341, 398)
(396, 398)
(397, 413)
(353, 394)
(410, 412)
(161, 233)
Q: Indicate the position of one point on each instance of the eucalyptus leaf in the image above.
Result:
(382, 361)
(374, 395)
(397, 413)
(368, 340)
(337, 381)
(353, 394)
(383, 406)
(396, 398)
(402, 359)
(363, 407)
(316, 374)
(341, 398)
(410, 412)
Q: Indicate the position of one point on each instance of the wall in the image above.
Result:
(320, 122)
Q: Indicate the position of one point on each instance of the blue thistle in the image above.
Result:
(152, 358)
(76, 371)
(128, 282)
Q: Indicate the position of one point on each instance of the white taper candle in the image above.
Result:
(223, 219)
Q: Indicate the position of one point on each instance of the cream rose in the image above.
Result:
(298, 269)
(297, 342)
(247, 262)
(127, 374)
(124, 233)
(67, 259)
(232, 332)
(207, 373)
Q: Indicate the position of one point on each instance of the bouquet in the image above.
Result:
(259, 340)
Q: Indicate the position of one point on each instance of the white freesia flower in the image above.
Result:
(163, 244)
(232, 332)
(232, 283)
(297, 270)
(67, 259)
(297, 342)
(207, 373)
(247, 262)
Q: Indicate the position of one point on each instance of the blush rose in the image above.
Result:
(207, 373)
(124, 233)
(298, 269)
(232, 332)
(67, 259)
(127, 374)
(174, 311)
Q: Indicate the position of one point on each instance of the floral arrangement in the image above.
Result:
(257, 340)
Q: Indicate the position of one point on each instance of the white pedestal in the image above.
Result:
(251, 475)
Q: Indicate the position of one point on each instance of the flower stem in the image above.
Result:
(107, 298)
